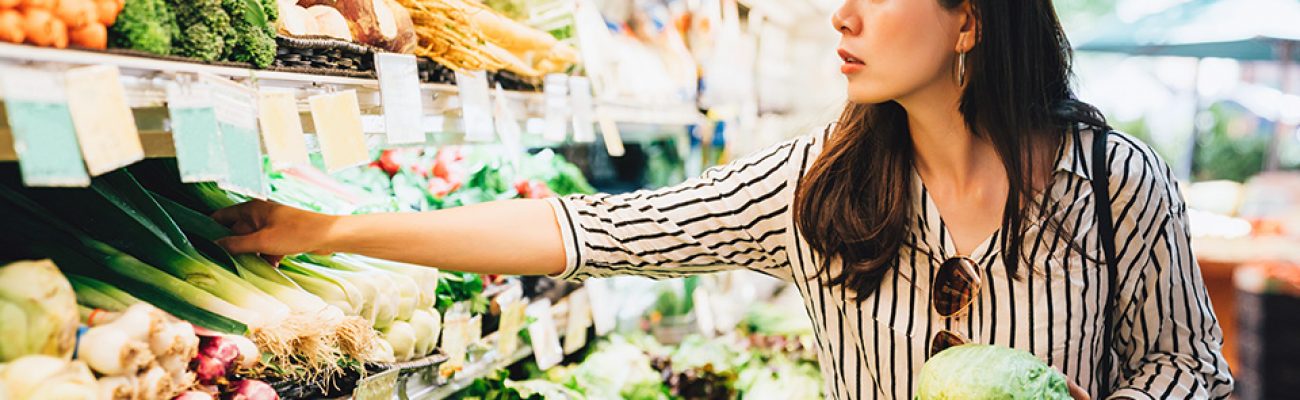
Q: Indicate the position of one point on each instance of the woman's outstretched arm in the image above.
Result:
(518, 237)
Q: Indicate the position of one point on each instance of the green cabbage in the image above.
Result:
(976, 371)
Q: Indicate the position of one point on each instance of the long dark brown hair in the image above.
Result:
(854, 204)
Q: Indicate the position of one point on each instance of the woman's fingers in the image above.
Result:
(240, 244)
(1077, 392)
(230, 215)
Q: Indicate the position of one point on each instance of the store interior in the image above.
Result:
(127, 123)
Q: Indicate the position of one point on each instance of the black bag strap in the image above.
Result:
(1106, 234)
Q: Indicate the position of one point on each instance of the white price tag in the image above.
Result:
(575, 331)
(512, 321)
(399, 86)
(583, 122)
(337, 117)
(45, 138)
(236, 109)
(544, 335)
(604, 307)
(475, 329)
(282, 133)
(455, 335)
(195, 134)
(704, 318)
(610, 134)
(507, 126)
(475, 105)
(556, 92)
(105, 126)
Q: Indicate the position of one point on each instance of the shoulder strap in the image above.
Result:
(1106, 234)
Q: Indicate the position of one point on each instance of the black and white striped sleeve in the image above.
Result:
(735, 215)
(1168, 340)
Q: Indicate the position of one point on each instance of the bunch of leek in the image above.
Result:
(145, 253)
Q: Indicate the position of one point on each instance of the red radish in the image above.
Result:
(218, 348)
(539, 190)
(531, 189)
(232, 350)
(208, 369)
(249, 389)
(388, 162)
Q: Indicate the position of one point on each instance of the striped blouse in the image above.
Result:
(1167, 344)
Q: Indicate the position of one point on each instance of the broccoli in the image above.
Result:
(145, 25)
(272, 10)
(254, 39)
(204, 29)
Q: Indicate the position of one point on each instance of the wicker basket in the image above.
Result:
(324, 56)
(433, 72)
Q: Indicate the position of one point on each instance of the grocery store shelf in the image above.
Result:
(145, 80)
(426, 384)
(466, 377)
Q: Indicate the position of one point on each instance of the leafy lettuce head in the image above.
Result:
(976, 371)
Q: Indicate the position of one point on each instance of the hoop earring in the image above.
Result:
(961, 69)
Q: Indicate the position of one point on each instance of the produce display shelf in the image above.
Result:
(145, 80)
(430, 386)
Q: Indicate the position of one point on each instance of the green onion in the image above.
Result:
(126, 217)
(95, 293)
(74, 252)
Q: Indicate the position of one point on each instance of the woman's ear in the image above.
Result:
(969, 29)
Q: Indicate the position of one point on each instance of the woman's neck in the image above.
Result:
(947, 152)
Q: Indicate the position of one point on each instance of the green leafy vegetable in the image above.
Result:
(204, 28)
(145, 25)
(976, 371)
(255, 37)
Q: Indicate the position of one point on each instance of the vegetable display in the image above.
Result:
(435, 178)
(976, 371)
(380, 23)
(78, 23)
(637, 367)
(207, 30)
(144, 25)
(468, 35)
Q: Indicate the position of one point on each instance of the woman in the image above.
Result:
(888, 222)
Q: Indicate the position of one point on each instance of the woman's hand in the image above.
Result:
(274, 230)
(1077, 392)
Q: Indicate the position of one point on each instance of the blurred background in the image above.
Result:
(1212, 85)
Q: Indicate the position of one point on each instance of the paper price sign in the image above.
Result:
(475, 105)
(555, 127)
(583, 121)
(507, 126)
(604, 307)
(286, 145)
(575, 331)
(45, 138)
(610, 134)
(105, 126)
(236, 111)
(399, 88)
(512, 321)
(200, 155)
(337, 117)
(704, 317)
(544, 335)
(455, 334)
